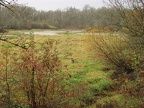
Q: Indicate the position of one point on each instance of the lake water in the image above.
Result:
(55, 32)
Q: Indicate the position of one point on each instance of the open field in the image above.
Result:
(78, 63)
(85, 79)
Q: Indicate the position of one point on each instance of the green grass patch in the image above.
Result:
(82, 72)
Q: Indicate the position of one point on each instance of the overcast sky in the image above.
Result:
(61, 4)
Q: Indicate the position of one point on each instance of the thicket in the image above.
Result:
(124, 52)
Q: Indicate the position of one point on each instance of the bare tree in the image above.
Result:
(132, 13)
(7, 4)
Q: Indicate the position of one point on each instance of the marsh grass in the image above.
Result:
(84, 79)
(86, 76)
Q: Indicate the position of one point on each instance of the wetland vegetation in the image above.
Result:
(94, 61)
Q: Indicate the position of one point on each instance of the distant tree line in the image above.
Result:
(72, 18)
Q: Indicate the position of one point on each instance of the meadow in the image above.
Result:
(56, 72)
(46, 64)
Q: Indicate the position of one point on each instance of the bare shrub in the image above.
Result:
(119, 52)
